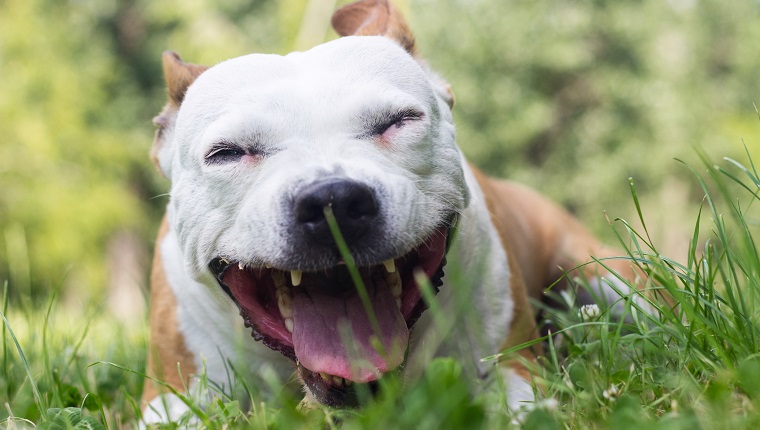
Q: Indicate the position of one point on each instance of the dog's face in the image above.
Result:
(261, 148)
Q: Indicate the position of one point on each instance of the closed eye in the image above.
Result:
(397, 119)
(223, 153)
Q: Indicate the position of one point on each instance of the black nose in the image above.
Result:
(353, 204)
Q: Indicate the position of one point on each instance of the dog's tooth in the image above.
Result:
(284, 303)
(240, 265)
(348, 382)
(390, 265)
(396, 288)
(393, 280)
(324, 376)
(278, 278)
(289, 324)
(295, 277)
(455, 222)
(338, 380)
(224, 261)
(398, 302)
(268, 266)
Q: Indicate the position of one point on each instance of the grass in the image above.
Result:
(695, 365)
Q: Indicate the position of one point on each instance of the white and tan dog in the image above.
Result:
(258, 146)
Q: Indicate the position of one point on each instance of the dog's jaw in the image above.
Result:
(319, 321)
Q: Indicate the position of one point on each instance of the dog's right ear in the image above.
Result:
(178, 75)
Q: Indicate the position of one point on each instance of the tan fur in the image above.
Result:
(371, 18)
(179, 75)
(542, 240)
(167, 347)
(375, 18)
(523, 326)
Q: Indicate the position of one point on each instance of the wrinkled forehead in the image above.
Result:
(344, 69)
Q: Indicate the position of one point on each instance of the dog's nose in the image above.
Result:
(353, 204)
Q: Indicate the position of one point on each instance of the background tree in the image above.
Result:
(571, 97)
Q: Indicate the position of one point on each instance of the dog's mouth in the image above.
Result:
(337, 334)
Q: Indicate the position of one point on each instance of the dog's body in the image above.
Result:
(257, 147)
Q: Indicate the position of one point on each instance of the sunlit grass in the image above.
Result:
(694, 365)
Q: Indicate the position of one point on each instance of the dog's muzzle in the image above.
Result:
(338, 333)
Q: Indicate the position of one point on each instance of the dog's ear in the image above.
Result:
(381, 18)
(178, 75)
(374, 18)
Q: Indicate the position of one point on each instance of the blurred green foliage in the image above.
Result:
(570, 96)
(574, 97)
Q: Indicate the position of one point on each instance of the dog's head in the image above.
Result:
(261, 148)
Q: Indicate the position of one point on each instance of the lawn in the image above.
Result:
(695, 365)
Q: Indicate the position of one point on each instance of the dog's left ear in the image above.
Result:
(179, 76)
(374, 18)
(381, 18)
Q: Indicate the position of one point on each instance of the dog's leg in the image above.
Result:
(543, 241)
(500, 300)
(515, 372)
(547, 241)
(168, 357)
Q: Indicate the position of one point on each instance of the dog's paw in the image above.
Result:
(520, 415)
(168, 408)
(519, 391)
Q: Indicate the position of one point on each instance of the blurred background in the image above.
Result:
(572, 97)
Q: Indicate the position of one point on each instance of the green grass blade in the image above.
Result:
(6, 363)
(185, 399)
(356, 277)
(38, 399)
(636, 202)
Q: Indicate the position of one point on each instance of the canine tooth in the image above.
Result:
(390, 265)
(283, 302)
(268, 266)
(338, 380)
(455, 222)
(289, 324)
(295, 277)
(240, 265)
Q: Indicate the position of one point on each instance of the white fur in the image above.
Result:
(162, 409)
(520, 394)
(211, 324)
(479, 306)
(303, 111)
(615, 292)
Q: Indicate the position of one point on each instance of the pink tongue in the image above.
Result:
(320, 323)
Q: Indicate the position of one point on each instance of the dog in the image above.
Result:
(267, 154)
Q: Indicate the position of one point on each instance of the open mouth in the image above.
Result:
(338, 334)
